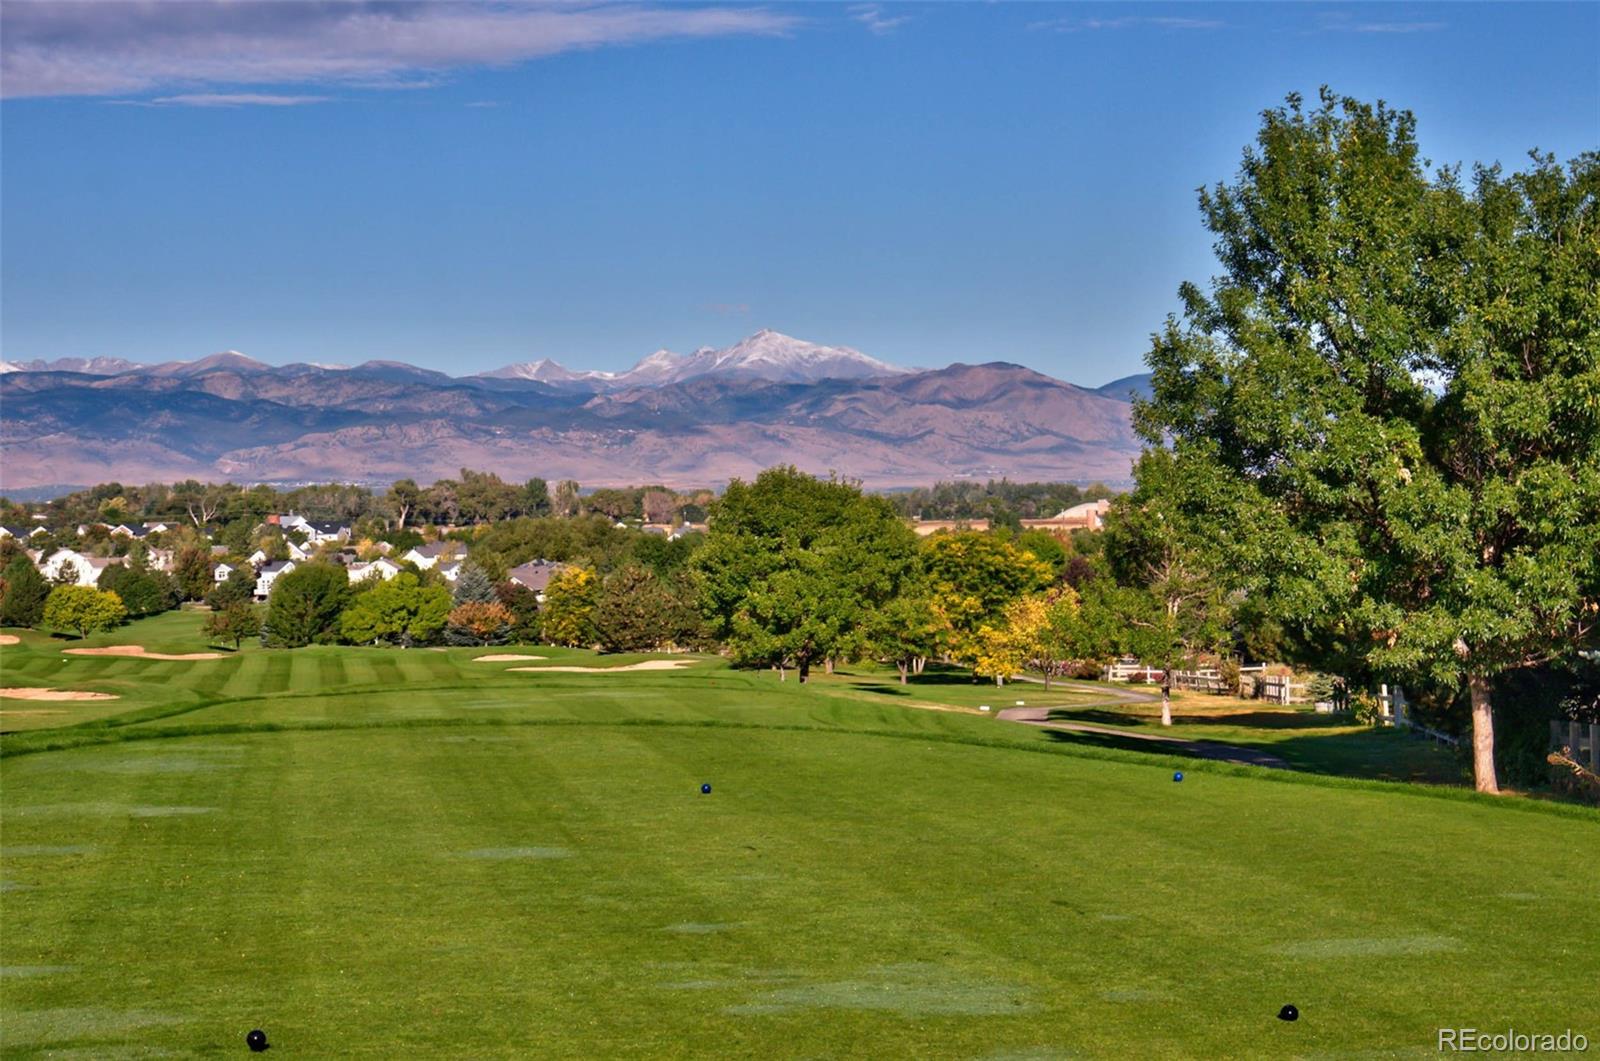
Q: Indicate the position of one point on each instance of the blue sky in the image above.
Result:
(494, 183)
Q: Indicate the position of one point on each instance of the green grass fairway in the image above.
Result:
(396, 853)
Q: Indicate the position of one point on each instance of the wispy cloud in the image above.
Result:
(481, 103)
(109, 47)
(872, 17)
(1079, 25)
(223, 99)
(1343, 22)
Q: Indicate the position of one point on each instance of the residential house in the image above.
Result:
(21, 533)
(426, 556)
(222, 572)
(451, 570)
(382, 567)
(267, 574)
(160, 559)
(535, 575)
(317, 533)
(87, 568)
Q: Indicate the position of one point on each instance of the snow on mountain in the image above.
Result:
(89, 366)
(765, 355)
(546, 370)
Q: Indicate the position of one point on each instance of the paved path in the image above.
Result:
(1194, 749)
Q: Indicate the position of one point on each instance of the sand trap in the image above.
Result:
(31, 693)
(138, 651)
(649, 664)
(504, 658)
(10, 639)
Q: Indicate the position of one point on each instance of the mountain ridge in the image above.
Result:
(695, 420)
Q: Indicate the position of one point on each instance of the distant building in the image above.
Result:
(221, 573)
(925, 527)
(426, 556)
(21, 533)
(87, 568)
(267, 574)
(535, 575)
(382, 567)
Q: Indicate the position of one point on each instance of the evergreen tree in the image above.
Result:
(25, 593)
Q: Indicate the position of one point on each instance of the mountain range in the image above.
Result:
(694, 419)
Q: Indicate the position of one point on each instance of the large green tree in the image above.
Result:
(402, 611)
(1391, 395)
(794, 567)
(305, 605)
(25, 593)
(84, 609)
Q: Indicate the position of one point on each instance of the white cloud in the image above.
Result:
(872, 17)
(107, 47)
(1076, 25)
(1344, 22)
(223, 99)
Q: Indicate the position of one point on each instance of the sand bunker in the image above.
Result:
(32, 693)
(139, 651)
(649, 664)
(504, 658)
(10, 639)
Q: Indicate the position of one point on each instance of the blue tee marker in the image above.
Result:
(705, 790)
(1178, 776)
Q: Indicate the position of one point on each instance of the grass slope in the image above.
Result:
(375, 852)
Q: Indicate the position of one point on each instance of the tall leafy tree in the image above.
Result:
(83, 609)
(971, 577)
(794, 567)
(401, 611)
(569, 606)
(305, 605)
(1390, 398)
(235, 622)
(25, 593)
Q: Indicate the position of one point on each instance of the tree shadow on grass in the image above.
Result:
(1248, 719)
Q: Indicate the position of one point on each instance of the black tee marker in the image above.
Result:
(1288, 1013)
(256, 1040)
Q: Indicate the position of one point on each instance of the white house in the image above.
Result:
(221, 573)
(317, 533)
(88, 568)
(425, 556)
(267, 574)
(382, 567)
(161, 559)
(22, 533)
(257, 558)
(298, 553)
(450, 571)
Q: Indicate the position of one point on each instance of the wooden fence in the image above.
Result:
(1581, 739)
(1279, 690)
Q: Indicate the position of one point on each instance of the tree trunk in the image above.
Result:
(804, 669)
(783, 675)
(1482, 735)
(901, 666)
(1047, 679)
(918, 663)
(827, 665)
(1000, 679)
(1166, 698)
